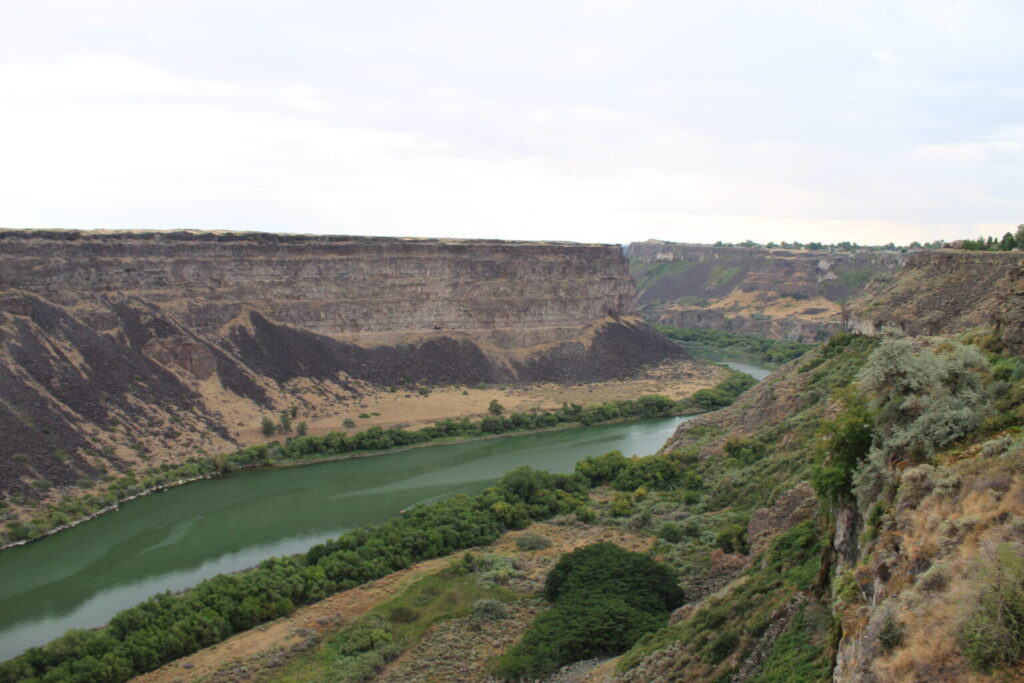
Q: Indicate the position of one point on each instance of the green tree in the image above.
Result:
(849, 440)
(605, 598)
(267, 426)
(495, 408)
(1008, 243)
(286, 422)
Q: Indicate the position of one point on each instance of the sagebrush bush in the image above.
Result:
(490, 610)
(531, 541)
(935, 580)
(924, 400)
(891, 635)
(915, 484)
(494, 569)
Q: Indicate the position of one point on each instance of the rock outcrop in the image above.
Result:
(944, 292)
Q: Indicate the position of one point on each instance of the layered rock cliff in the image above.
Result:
(367, 289)
(779, 293)
(127, 345)
(943, 292)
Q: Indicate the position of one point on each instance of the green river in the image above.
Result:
(81, 577)
(171, 540)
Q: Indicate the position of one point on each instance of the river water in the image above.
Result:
(79, 578)
(172, 540)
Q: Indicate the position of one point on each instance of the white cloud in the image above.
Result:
(600, 121)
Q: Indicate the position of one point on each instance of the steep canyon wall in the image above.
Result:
(126, 345)
(780, 293)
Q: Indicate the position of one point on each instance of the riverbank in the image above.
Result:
(264, 454)
(150, 466)
(379, 408)
(175, 540)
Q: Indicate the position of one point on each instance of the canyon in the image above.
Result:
(791, 294)
(128, 350)
(817, 531)
(807, 295)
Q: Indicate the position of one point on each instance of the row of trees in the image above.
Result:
(166, 627)
(834, 246)
(302, 446)
(375, 438)
(1009, 242)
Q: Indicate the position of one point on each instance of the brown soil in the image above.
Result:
(409, 409)
(775, 305)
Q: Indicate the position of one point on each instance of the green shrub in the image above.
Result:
(602, 469)
(622, 506)
(489, 609)
(654, 472)
(849, 440)
(531, 541)
(604, 598)
(745, 451)
(733, 538)
(721, 647)
(403, 615)
(671, 532)
(891, 635)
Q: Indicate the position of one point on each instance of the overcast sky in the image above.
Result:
(588, 121)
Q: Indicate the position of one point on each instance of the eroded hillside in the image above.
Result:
(944, 292)
(126, 352)
(796, 295)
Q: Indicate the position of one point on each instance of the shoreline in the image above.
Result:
(321, 460)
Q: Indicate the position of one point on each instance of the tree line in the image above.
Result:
(166, 627)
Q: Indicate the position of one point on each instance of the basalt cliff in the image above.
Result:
(797, 295)
(117, 347)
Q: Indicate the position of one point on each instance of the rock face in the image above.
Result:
(114, 345)
(359, 289)
(779, 293)
(945, 292)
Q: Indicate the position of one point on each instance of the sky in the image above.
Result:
(588, 121)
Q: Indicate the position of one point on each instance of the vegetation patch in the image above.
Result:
(774, 350)
(361, 650)
(604, 599)
(167, 627)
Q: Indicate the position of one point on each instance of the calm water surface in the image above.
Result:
(172, 540)
(753, 364)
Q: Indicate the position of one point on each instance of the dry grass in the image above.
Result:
(251, 648)
(407, 408)
(954, 529)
